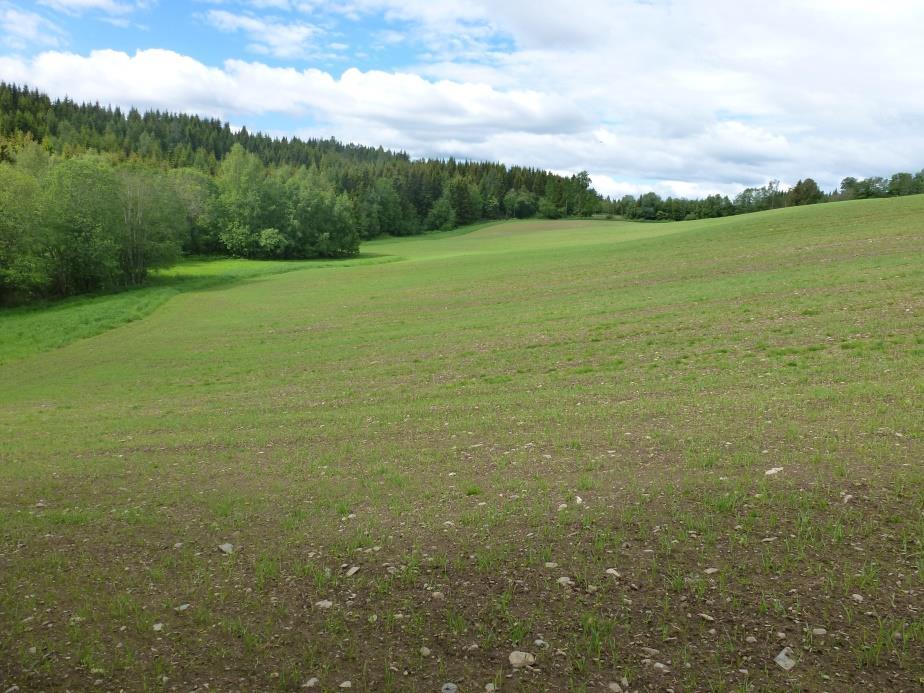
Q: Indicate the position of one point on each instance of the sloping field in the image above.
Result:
(659, 453)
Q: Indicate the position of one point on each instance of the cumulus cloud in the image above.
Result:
(373, 101)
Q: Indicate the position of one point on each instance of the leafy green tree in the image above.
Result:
(272, 243)
(198, 195)
(848, 188)
(442, 217)
(548, 209)
(805, 192)
(241, 179)
(22, 272)
(153, 221)
(322, 223)
(81, 213)
(901, 184)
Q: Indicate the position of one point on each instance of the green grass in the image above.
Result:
(431, 413)
(33, 329)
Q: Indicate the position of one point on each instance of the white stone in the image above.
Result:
(312, 682)
(518, 659)
(819, 631)
(158, 627)
(352, 571)
(784, 659)
(324, 604)
(226, 548)
(424, 651)
(773, 471)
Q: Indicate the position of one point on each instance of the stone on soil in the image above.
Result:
(784, 659)
(518, 659)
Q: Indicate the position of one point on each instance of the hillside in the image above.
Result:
(658, 452)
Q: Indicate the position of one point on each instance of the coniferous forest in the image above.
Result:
(92, 198)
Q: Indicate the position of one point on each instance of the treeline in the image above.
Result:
(91, 197)
(652, 207)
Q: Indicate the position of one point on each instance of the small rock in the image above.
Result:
(819, 631)
(439, 596)
(178, 545)
(848, 498)
(663, 668)
(578, 500)
(551, 564)
(711, 571)
(563, 506)
(324, 604)
(158, 627)
(518, 659)
(182, 607)
(489, 688)
(346, 684)
(312, 682)
(352, 571)
(781, 635)
(707, 617)
(565, 581)
(613, 572)
(226, 549)
(858, 598)
(773, 471)
(40, 504)
(651, 652)
(750, 639)
(540, 643)
(449, 688)
(424, 651)
(615, 687)
(784, 659)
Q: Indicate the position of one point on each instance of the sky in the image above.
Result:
(684, 97)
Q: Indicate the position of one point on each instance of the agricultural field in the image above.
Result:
(645, 456)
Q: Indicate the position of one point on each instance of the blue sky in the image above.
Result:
(686, 97)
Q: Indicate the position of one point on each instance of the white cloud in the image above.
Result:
(361, 103)
(21, 30)
(268, 36)
(75, 7)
